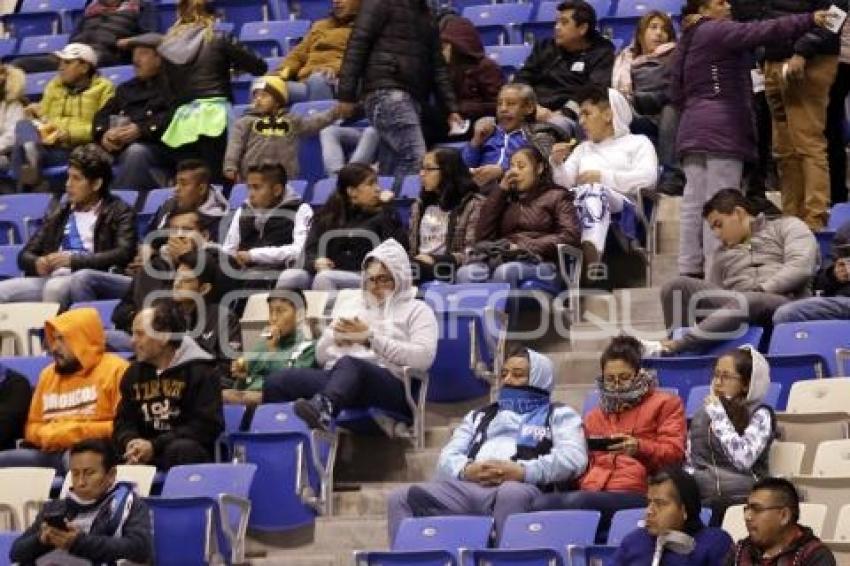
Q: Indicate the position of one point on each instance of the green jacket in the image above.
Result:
(291, 352)
(75, 112)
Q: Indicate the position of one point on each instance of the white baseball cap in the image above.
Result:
(78, 51)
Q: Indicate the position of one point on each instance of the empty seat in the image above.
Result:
(22, 492)
(19, 215)
(822, 337)
(21, 325)
(842, 525)
(310, 151)
(40, 17)
(812, 515)
(498, 23)
(832, 459)
(273, 39)
(830, 494)
(42, 44)
(820, 396)
(786, 458)
(811, 430)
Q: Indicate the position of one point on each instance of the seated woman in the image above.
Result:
(523, 221)
(444, 217)
(635, 431)
(642, 74)
(363, 356)
(730, 436)
(674, 534)
(353, 221)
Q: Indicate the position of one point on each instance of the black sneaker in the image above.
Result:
(316, 412)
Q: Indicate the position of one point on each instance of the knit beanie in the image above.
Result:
(273, 85)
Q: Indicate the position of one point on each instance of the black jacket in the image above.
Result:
(358, 236)
(219, 329)
(817, 41)
(825, 279)
(557, 75)
(101, 31)
(395, 44)
(98, 545)
(183, 401)
(15, 395)
(148, 104)
(115, 238)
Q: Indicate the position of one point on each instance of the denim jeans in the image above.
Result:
(512, 272)
(142, 166)
(314, 87)
(94, 285)
(37, 289)
(337, 141)
(814, 308)
(395, 115)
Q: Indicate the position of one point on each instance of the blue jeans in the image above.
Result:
(512, 273)
(336, 141)
(314, 87)
(606, 502)
(34, 458)
(142, 166)
(814, 308)
(395, 114)
(94, 285)
(37, 289)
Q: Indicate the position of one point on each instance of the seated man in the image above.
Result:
(488, 154)
(283, 347)
(763, 263)
(611, 166)
(131, 123)
(578, 55)
(63, 119)
(105, 522)
(500, 455)
(76, 396)
(170, 411)
(75, 254)
(673, 529)
(776, 536)
(832, 284)
(268, 231)
(363, 355)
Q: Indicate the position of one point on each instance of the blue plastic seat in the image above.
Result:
(40, 17)
(36, 83)
(19, 215)
(431, 540)
(238, 195)
(273, 39)
(698, 394)
(233, 415)
(839, 214)
(786, 370)
(626, 520)
(825, 238)
(42, 44)
(622, 23)
(118, 74)
(310, 161)
(498, 23)
(7, 539)
(322, 191)
(241, 12)
(9, 260)
(203, 508)
(154, 199)
(313, 9)
(821, 337)
(542, 24)
(8, 46)
(509, 57)
(129, 196)
(28, 366)
(294, 464)
(104, 310)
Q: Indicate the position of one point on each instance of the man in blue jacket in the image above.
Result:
(501, 456)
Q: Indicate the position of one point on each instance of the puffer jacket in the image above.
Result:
(780, 257)
(537, 221)
(475, 77)
(323, 48)
(114, 238)
(102, 26)
(199, 62)
(460, 233)
(658, 422)
(11, 107)
(73, 109)
(817, 41)
(395, 45)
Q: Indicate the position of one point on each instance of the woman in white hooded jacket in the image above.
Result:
(363, 355)
(12, 82)
(730, 436)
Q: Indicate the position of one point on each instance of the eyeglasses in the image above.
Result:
(756, 509)
(380, 280)
(725, 377)
(614, 379)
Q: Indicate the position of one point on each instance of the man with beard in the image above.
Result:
(77, 395)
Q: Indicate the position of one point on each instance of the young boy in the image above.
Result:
(284, 347)
(267, 133)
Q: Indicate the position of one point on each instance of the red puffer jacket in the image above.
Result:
(658, 423)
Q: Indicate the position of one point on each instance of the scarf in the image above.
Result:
(533, 404)
(619, 400)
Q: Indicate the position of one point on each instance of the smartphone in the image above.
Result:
(601, 442)
(56, 521)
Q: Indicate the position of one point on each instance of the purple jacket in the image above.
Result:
(711, 82)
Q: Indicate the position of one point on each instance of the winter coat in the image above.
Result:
(711, 84)
(73, 109)
(825, 280)
(403, 329)
(323, 48)
(395, 45)
(147, 103)
(537, 221)
(644, 79)
(780, 257)
(658, 422)
(557, 75)
(102, 26)
(565, 461)
(114, 238)
(805, 550)
(11, 107)
(638, 548)
(475, 77)
(66, 409)
(15, 395)
(198, 62)
(816, 41)
(460, 232)
(191, 399)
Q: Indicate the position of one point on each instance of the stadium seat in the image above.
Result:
(831, 493)
(825, 238)
(810, 430)
(540, 538)
(313, 10)
(273, 39)
(8, 46)
(233, 416)
(832, 459)
(40, 17)
(119, 74)
(820, 396)
(287, 454)
(22, 492)
(166, 14)
(498, 24)
(509, 57)
(621, 24)
(591, 400)
(238, 195)
(698, 393)
(255, 317)
(310, 150)
(104, 310)
(839, 215)
(473, 326)
(154, 199)
(19, 213)
(322, 191)
(21, 325)
(625, 521)
(241, 87)
(786, 458)
(542, 24)
(42, 44)
(241, 12)
(842, 526)
(141, 476)
(812, 515)
(36, 82)
(821, 337)
(239, 110)
(202, 512)
(7, 539)
(9, 260)
(28, 366)
(431, 540)
(129, 196)
(786, 370)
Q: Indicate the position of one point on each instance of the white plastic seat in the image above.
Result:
(141, 476)
(22, 491)
(812, 515)
(819, 396)
(18, 322)
(786, 458)
(832, 459)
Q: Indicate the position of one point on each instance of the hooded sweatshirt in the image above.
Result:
(565, 461)
(403, 329)
(181, 401)
(11, 109)
(627, 162)
(68, 408)
(725, 463)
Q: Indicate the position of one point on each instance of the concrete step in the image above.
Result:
(596, 335)
(623, 305)
(330, 541)
(370, 499)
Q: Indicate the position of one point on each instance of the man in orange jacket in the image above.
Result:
(77, 395)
